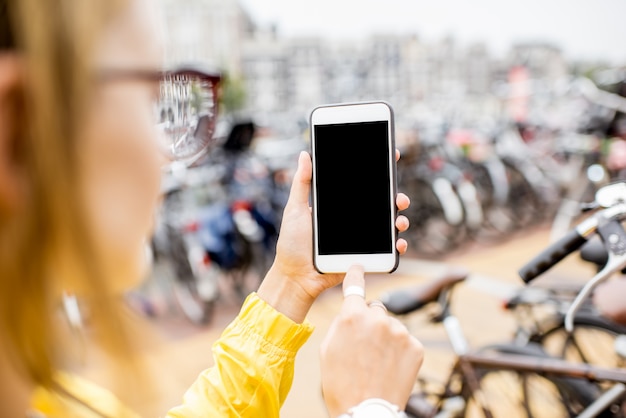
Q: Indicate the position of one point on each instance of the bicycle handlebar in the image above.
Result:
(556, 252)
(607, 223)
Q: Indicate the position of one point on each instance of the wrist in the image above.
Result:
(374, 408)
(285, 295)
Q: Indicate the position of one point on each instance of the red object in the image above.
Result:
(192, 227)
(241, 205)
(460, 137)
(519, 93)
(436, 163)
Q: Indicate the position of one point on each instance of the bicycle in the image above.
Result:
(495, 380)
(540, 314)
(448, 209)
(540, 381)
(589, 153)
(179, 256)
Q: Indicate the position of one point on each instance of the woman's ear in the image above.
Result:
(11, 109)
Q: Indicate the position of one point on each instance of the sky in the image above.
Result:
(583, 29)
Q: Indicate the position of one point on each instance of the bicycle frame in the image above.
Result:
(468, 364)
(557, 368)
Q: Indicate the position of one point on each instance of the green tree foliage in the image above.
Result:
(233, 96)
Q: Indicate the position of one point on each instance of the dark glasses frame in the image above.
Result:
(212, 79)
(119, 74)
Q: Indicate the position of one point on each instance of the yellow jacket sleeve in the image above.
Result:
(254, 366)
(76, 397)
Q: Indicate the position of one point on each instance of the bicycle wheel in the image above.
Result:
(512, 394)
(195, 292)
(498, 218)
(197, 309)
(431, 232)
(527, 206)
(255, 263)
(592, 341)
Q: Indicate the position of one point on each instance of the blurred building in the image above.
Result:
(210, 32)
(264, 69)
(305, 72)
(544, 62)
(293, 75)
(283, 74)
(345, 72)
(384, 62)
(288, 74)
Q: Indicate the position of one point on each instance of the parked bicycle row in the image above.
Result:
(220, 216)
(218, 224)
(484, 182)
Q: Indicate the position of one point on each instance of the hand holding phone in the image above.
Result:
(354, 187)
(292, 283)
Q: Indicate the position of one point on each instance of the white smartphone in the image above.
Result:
(354, 187)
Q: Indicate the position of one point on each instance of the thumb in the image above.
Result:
(301, 186)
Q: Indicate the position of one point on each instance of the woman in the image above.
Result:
(79, 181)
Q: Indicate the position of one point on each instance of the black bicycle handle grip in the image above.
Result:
(552, 255)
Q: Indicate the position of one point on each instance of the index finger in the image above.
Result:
(354, 279)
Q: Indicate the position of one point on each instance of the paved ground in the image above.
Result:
(175, 352)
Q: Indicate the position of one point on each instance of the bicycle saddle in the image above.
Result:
(404, 301)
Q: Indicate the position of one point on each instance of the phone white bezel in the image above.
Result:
(355, 113)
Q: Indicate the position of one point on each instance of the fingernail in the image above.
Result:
(303, 155)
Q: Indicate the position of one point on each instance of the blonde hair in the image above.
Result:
(56, 40)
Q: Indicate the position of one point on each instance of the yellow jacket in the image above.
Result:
(253, 372)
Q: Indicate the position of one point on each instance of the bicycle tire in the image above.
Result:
(196, 308)
(517, 395)
(498, 217)
(430, 232)
(254, 266)
(529, 394)
(601, 331)
(527, 207)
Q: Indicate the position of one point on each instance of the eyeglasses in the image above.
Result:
(186, 110)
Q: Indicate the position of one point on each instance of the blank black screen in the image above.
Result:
(353, 188)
